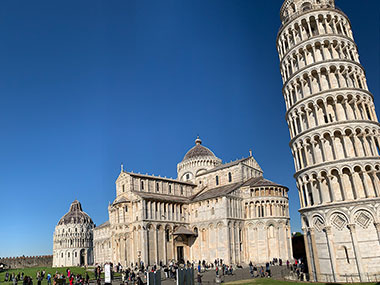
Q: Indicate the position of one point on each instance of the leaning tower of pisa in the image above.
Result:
(335, 138)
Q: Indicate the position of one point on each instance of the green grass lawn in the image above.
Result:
(33, 272)
(268, 281)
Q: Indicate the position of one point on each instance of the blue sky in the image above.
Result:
(86, 85)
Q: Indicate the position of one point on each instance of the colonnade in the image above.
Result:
(266, 208)
(340, 107)
(318, 50)
(311, 25)
(316, 80)
(345, 183)
(335, 144)
(156, 210)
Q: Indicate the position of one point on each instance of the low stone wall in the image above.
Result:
(28, 261)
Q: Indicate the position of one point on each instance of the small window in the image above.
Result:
(196, 214)
(75, 254)
(217, 180)
(167, 235)
(170, 188)
(229, 177)
(123, 188)
(157, 187)
(62, 254)
(68, 254)
(212, 211)
(142, 185)
(181, 190)
(187, 176)
(126, 208)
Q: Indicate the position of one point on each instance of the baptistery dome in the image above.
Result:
(73, 238)
(75, 215)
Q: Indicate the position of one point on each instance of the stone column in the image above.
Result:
(377, 226)
(331, 252)
(357, 253)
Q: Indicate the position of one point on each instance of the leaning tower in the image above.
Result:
(335, 138)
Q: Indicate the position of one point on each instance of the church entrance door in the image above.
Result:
(82, 257)
(180, 256)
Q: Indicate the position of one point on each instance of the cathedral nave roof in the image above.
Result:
(216, 192)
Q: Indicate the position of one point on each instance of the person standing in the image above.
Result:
(199, 279)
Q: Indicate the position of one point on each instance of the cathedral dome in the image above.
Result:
(75, 215)
(198, 151)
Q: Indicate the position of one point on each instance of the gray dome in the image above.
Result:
(75, 215)
(198, 151)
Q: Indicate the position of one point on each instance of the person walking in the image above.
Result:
(199, 279)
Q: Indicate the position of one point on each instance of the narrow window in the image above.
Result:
(187, 176)
(68, 254)
(126, 208)
(157, 187)
(170, 188)
(368, 113)
(123, 188)
(229, 177)
(181, 190)
(346, 253)
(75, 254)
(62, 254)
(217, 180)
(196, 214)
(167, 235)
(142, 185)
(212, 211)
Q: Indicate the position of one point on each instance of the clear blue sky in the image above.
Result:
(86, 85)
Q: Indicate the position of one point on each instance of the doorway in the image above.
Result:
(82, 257)
(180, 254)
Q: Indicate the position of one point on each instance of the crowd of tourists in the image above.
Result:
(56, 279)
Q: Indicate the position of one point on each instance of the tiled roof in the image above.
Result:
(216, 192)
(106, 224)
(261, 181)
(226, 165)
(159, 178)
(161, 197)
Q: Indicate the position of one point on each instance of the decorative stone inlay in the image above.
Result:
(318, 224)
(338, 221)
(363, 219)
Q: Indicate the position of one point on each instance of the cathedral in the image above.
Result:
(212, 210)
(335, 139)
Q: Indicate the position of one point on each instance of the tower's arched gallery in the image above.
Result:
(334, 139)
(211, 211)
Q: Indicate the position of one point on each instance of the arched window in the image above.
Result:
(126, 208)
(68, 254)
(217, 180)
(229, 177)
(62, 254)
(187, 176)
(306, 6)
